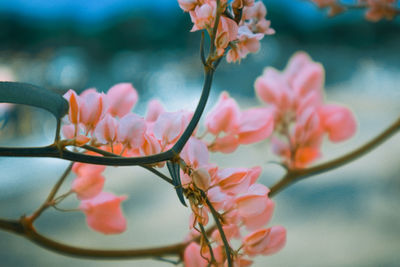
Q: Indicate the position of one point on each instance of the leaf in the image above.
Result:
(174, 170)
(32, 95)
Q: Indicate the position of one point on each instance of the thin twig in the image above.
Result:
(52, 194)
(205, 238)
(216, 217)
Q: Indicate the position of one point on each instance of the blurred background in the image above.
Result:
(347, 217)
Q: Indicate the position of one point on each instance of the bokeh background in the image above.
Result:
(346, 217)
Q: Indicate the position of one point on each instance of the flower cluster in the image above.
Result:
(300, 114)
(105, 121)
(376, 9)
(241, 205)
(296, 117)
(241, 26)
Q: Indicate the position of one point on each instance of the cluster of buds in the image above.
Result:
(300, 114)
(242, 24)
(376, 9)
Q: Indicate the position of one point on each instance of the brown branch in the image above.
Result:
(295, 175)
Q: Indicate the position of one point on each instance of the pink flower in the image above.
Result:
(305, 76)
(84, 169)
(273, 89)
(249, 42)
(88, 186)
(234, 180)
(201, 178)
(224, 117)
(154, 109)
(192, 256)
(227, 32)
(203, 16)
(188, 5)
(121, 98)
(300, 115)
(68, 131)
(106, 130)
(254, 207)
(338, 121)
(226, 144)
(91, 108)
(150, 145)
(131, 130)
(255, 125)
(195, 153)
(265, 241)
(104, 214)
(73, 100)
(170, 125)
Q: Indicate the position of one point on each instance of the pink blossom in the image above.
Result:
(338, 121)
(121, 98)
(248, 42)
(234, 180)
(300, 115)
(224, 117)
(106, 130)
(68, 131)
(104, 214)
(227, 32)
(131, 130)
(265, 241)
(254, 202)
(226, 144)
(217, 197)
(73, 100)
(150, 145)
(170, 125)
(195, 153)
(192, 256)
(88, 185)
(83, 169)
(203, 16)
(201, 178)
(91, 107)
(255, 125)
(154, 109)
(188, 5)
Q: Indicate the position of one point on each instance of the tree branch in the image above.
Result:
(295, 175)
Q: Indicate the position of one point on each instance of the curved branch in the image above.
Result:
(298, 174)
(53, 151)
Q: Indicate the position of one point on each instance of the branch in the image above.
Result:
(52, 193)
(215, 215)
(298, 174)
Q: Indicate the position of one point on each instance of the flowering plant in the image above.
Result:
(95, 130)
